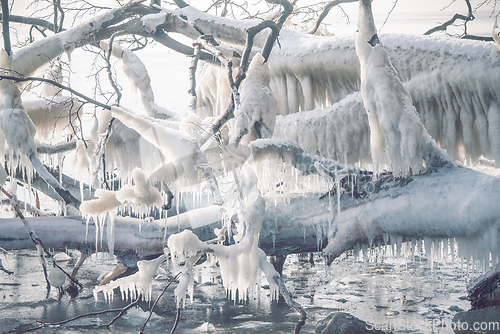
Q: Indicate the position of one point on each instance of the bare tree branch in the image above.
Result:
(325, 13)
(57, 84)
(455, 17)
(5, 27)
(141, 331)
(32, 21)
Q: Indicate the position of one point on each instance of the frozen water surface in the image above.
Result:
(404, 292)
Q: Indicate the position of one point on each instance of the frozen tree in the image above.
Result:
(373, 124)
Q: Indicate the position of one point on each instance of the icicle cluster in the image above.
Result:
(453, 84)
(139, 283)
(240, 263)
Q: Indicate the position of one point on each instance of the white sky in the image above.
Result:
(409, 16)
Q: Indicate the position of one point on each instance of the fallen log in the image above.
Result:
(451, 203)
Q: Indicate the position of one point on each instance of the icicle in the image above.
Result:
(102, 221)
(87, 218)
(319, 237)
(356, 251)
(111, 233)
(96, 232)
(177, 200)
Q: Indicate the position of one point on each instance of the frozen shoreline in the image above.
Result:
(394, 292)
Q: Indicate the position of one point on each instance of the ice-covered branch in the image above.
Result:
(397, 136)
(108, 51)
(495, 35)
(43, 148)
(192, 77)
(138, 75)
(66, 196)
(292, 154)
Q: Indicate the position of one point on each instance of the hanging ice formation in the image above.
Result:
(17, 127)
(339, 132)
(453, 83)
(52, 117)
(240, 263)
(397, 137)
(258, 101)
(134, 285)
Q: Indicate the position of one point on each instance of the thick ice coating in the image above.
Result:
(139, 283)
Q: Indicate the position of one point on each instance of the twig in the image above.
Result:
(177, 316)
(455, 17)
(108, 68)
(33, 236)
(325, 12)
(156, 301)
(33, 21)
(89, 314)
(123, 310)
(394, 4)
(57, 84)
(192, 76)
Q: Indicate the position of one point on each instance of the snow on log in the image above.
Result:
(144, 236)
(402, 208)
(422, 209)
